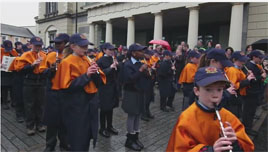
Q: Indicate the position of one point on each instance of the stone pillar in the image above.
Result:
(158, 26)
(193, 26)
(130, 31)
(91, 33)
(235, 35)
(109, 32)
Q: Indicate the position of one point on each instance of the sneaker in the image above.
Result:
(41, 128)
(20, 119)
(30, 132)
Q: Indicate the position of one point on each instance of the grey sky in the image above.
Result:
(19, 13)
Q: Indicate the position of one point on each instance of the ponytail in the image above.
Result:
(67, 51)
(204, 61)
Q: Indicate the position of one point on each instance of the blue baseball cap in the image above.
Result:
(193, 54)
(36, 41)
(18, 43)
(219, 55)
(238, 56)
(7, 45)
(149, 52)
(136, 47)
(167, 53)
(80, 40)
(256, 54)
(208, 75)
(25, 48)
(62, 37)
(108, 46)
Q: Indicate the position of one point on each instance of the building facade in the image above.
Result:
(15, 33)
(230, 24)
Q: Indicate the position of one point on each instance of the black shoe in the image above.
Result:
(251, 132)
(131, 144)
(165, 109)
(20, 119)
(144, 118)
(171, 108)
(104, 133)
(113, 130)
(48, 149)
(138, 141)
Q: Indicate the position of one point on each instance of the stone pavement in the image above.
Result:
(154, 134)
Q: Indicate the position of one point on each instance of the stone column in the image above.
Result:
(130, 31)
(235, 35)
(109, 32)
(158, 26)
(91, 33)
(193, 26)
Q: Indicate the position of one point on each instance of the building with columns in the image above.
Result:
(230, 24)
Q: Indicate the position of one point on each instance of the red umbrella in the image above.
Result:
(161, 42)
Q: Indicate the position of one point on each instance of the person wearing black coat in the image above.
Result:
(133, 98)
(53, 107)
(108, 94)
(166, 77)
(254, 91)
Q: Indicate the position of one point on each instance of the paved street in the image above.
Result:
(154, 134)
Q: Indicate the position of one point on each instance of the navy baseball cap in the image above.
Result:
(62, 37)
(18, 43)
(167, 53)
(238, 56)
(256, 54)
(193, 54)
(208, 75)
(36, 41)
(219, 55)
(8, 45)
(136, 47)
(80, 40)
(108, 46)
(149, 52)
(25, 48)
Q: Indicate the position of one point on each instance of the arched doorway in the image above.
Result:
(50, 34)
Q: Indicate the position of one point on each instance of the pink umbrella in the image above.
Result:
(161, 42)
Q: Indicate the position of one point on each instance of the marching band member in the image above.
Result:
(52, 116)
(165, 77)
(34, 85)
(133, 98)
(239, 80)
(6, 77)
(198, 129)
(108, 94)
(187, 77)
(254, 91)
(78, 81)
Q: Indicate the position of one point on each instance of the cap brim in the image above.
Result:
(58, 40)
(37, 43)
(244, 59)
(212, 79)
(83, 43)
(226, 63)
(8, 48)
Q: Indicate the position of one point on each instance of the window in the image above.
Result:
(17, 39)
(51, 9)
(51, 35)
